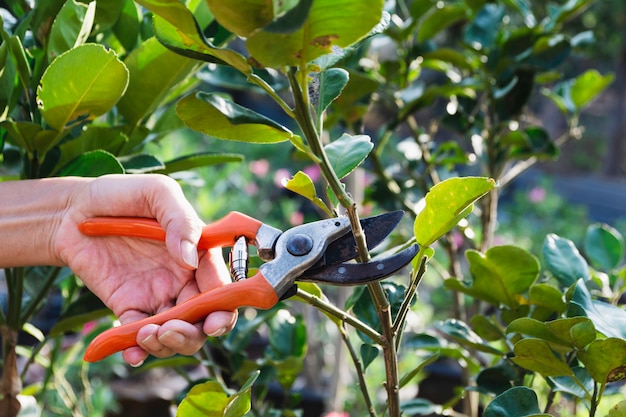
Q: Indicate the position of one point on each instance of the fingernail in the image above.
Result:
(136, 365)
(147, 339)
(189, 253)
(218, 332)
(172, 336)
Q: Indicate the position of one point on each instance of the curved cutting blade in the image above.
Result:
(361, 273)
(376, 229)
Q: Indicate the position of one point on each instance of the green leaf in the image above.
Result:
(331, 84)
(496, 379)
(547, 296)
(209, 399)
(302, 184)
(198, 160)
(500, 275)
(242, 17)
(439, 19)
(87, 307)
(446, 204)
(515, 402)
(92, 138)
(486, 327)
(461, 333)
(8, 80)
(604, 246)
(140, 163)
(215, 116)
(537, 356)
(408, 377)
(154, 72)
(176, 27)
(574, 332)
(608, 319)
(605, 360)
(97, 80)
(348, 152)
(71, 27)
(580, 385)
(92, 164)
(420, 407)
(368, 354)
(564, 261)
(126, 28)
(619, 410)
(324, 29)
(482, 31)
(287, 336)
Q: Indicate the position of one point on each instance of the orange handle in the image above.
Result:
(223, 232)
(252, 292)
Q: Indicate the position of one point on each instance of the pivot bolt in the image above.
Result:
(299, 244)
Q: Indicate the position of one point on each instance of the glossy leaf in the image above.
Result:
(324, 29)
(604, 246)
(348, 152)
(212, 399)
(176, 28)
(575, 332)
(496, 379)
(514, 402)
(215, 116)
(500, 275)
(368, 354)
(71, 27)
(608, 319)
(127, 26)
(302, 184)
(98, 80)
(140, 163)
(331, 84)
(537, 356)
(242, 17)
(564, 261)
(486, 327)
(547, 296)
(154, 72)
(483, 29)
(579, 385)
(287, 336)
(605, 360)
(8, 80)
(588, 86)
(461, 333)
(446, 204)
(92, 164)
(198, 160)
(420, 407)
(618, 410)
(92, 138)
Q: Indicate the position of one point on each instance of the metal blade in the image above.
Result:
(361, 273)
(376, 229)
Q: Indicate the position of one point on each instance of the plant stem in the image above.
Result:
(339, 314)
(307, 124)
(406, 303)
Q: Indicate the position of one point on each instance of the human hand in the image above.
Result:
(136, 277)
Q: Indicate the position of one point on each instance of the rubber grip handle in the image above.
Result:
(252, 292)
(222, 232)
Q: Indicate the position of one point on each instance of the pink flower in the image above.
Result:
(259, 168)
(296, 218)
(537, 194)
(313, 171)
(337, 414)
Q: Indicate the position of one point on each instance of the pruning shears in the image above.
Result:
(314, 252)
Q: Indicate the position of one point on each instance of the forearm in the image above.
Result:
(30, 213)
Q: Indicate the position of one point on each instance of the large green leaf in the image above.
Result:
(608, 319)
(324, 29)
(215, 116)
(461, 333)
(605, 360)
(573, 332)
(92, 138)
(604, 246)
(211, 399)
(446, 204)
(440, 18)
(515, 402)
(176, 28)
(331, 84)
(302, 184)
(619, 410)
(564, 261)
(82, 83)
(242, 17)
(92, 164)
(537, 356)
(500, 275)
(154, 71)
(71, 27)
(346, 153)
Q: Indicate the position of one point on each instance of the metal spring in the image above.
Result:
(239, 259)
